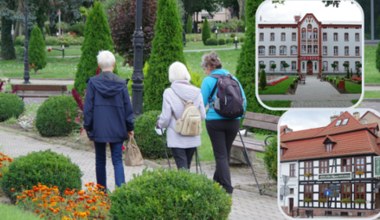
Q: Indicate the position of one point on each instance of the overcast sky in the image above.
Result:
(283, 13)
(313, 118)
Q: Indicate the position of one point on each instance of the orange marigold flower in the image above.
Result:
(37, 211)
(13, 189)
(93, 208)
(81, 192)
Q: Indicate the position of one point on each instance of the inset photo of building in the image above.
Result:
(329, 163)
(309, 54)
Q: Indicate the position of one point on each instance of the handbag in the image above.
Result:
(133, 155)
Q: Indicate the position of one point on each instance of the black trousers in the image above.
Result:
(183, 157)
(222, 133)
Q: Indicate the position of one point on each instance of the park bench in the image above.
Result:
(37, 90)
(302, 78)
(248, 144)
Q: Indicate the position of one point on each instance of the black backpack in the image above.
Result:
(229, 99)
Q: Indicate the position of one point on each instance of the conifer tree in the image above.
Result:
(37, 50)
(167, 47)
(206, 31)
(7, 10)
(97, 37)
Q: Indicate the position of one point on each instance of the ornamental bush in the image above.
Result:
(211, 42)
(10, 106)
(56, 116)
(263, 79)
(221, 41)
(37, 50)
(170, 194)
(151, 145)
(270, 159)
(45, 167)
(206, 32)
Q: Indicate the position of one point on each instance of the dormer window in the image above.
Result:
(329, 144)
(338, 122)
(329, 147)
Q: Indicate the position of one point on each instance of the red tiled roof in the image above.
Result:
(351, 139)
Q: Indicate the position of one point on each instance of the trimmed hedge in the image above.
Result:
(10, 106)
(170, 194)
(206, 32)
(56, 116)
(44, 167)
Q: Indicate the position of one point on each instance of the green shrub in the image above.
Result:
(229, 40)
(170, 194)
(77, 28)
(241, 39)
(206, 32)
(44, 167)
(56, 116)
(167, 47)
(221, 41)
(270, 159)
(211, 42)
(37, 50)
(263, 79)
(19, 41)
(151, 145)
(10, 106)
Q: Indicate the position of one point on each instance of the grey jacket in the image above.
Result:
(173, 105)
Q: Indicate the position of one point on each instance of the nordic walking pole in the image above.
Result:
(166, 150)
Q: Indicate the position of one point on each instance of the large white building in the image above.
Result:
(309, 46)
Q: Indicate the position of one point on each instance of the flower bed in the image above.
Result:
(276, 81)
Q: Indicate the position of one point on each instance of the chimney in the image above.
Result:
(332, 118)
(356, 115)
(297, 18)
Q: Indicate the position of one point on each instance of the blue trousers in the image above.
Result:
(117, 161)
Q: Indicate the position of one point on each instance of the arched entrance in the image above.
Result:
(309, 67)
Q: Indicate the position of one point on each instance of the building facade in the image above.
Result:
(309, 46)
(335, 168)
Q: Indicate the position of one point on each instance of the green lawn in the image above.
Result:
(11, 212)
(353, 87)
(372, 75)
(280, 88)
(372, 94)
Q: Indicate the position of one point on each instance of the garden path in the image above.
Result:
(246, 204)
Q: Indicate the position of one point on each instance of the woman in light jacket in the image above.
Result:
(183, 147)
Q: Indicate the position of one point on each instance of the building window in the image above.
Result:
(335, 36)
(324, 50)
(324, 166)
(315, 33)
(336, 65)
(336, 51)
(261, 50)
(346, 67)
(346, 165)
(294, 65)
(315, 66)
(346, 51)
(303, 36)
(283, 37)
(315, 49)
(309, 34)
(271, 36)
(346, 191)
(322, 196)
(303, 65)
(291, 191)
(261, 63)
(293, 50)
(308, 168)
(309, 49)
(346, 36)
(272, 50)
(357, 51)
(283, 50)
(360, 191)
(292, 170)
(325, 66)
(294, 36)
(357, 37)
(261, 38)
(303, 49)
(329, 147)
(359, 164)
(282, 68)
(308, 194)
(271, 63)
(325, 36)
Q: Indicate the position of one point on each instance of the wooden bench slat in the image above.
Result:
(261, 117)
(260, 124)
(38, 90)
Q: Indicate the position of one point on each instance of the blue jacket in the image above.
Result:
(208, 84)
(108, 114)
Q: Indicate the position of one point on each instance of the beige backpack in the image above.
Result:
(190, 123)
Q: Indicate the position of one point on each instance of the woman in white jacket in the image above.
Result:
(183, 147)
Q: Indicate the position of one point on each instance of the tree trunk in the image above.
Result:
(7, 48)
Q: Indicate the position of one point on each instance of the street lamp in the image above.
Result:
(138, 76)
(26, 43)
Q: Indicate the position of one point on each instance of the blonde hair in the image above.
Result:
(211, 60)
(105, 59)
(178, 71)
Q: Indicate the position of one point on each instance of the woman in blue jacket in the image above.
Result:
(222, 131)
(108, 117)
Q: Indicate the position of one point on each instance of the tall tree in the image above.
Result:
(167, 47)
(37, 50)
(206, 32)
(97, 37)
(123, 26)
(7, 12)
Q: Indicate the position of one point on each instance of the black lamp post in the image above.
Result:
(26, 43)
(138, 76)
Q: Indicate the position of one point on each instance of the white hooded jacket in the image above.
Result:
(173, 105)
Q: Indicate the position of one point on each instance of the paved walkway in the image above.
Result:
(315, 94)
(246, 204)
